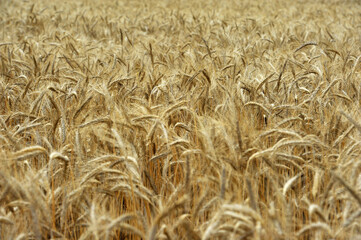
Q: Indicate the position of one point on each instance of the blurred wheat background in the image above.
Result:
(180, 119)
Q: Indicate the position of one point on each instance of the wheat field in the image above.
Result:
(180, 119)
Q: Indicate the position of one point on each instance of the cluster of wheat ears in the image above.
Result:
(180, 119)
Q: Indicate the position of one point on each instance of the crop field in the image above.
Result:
(180, 119)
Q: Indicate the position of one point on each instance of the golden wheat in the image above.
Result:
(180, 119)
